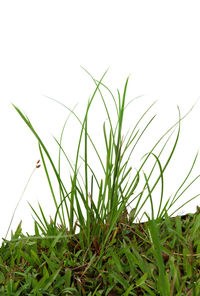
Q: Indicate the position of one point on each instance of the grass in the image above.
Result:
(104, 252)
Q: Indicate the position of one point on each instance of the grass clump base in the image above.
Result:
(32, 265)
(110, 254)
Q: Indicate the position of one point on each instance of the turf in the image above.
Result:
(60, 266)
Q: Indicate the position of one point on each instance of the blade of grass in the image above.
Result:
(61, 136)
(163, 282)
(74, 179)
(20, 200)
(27, 121)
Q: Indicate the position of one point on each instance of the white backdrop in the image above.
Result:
(42, 46)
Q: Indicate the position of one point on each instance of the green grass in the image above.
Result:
(104, 252)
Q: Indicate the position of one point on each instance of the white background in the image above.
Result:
(42, 46)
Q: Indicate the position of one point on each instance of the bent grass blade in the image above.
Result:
(37, 166)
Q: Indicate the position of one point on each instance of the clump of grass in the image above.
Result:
(110, 254)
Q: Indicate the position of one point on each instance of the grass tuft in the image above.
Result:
(97, 248)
